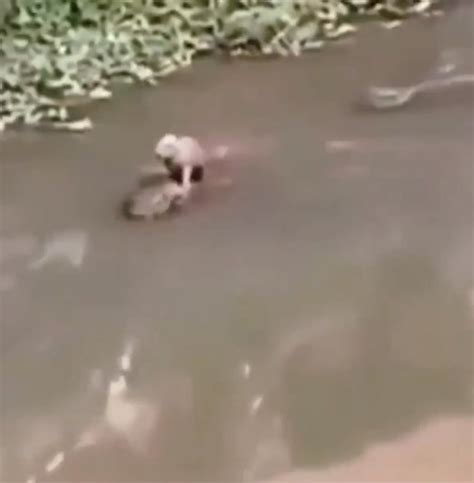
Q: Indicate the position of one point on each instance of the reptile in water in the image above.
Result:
(180, 167)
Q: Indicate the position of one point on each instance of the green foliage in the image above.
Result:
(56, 54)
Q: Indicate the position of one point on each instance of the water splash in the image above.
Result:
(69, 246)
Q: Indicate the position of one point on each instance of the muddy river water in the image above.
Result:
(318, 302)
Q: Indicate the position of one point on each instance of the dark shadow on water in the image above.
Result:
(411, 362)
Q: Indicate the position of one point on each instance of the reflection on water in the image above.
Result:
(319, 306)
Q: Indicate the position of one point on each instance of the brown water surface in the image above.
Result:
(318, 305)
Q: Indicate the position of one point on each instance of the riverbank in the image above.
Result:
(57, 57)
